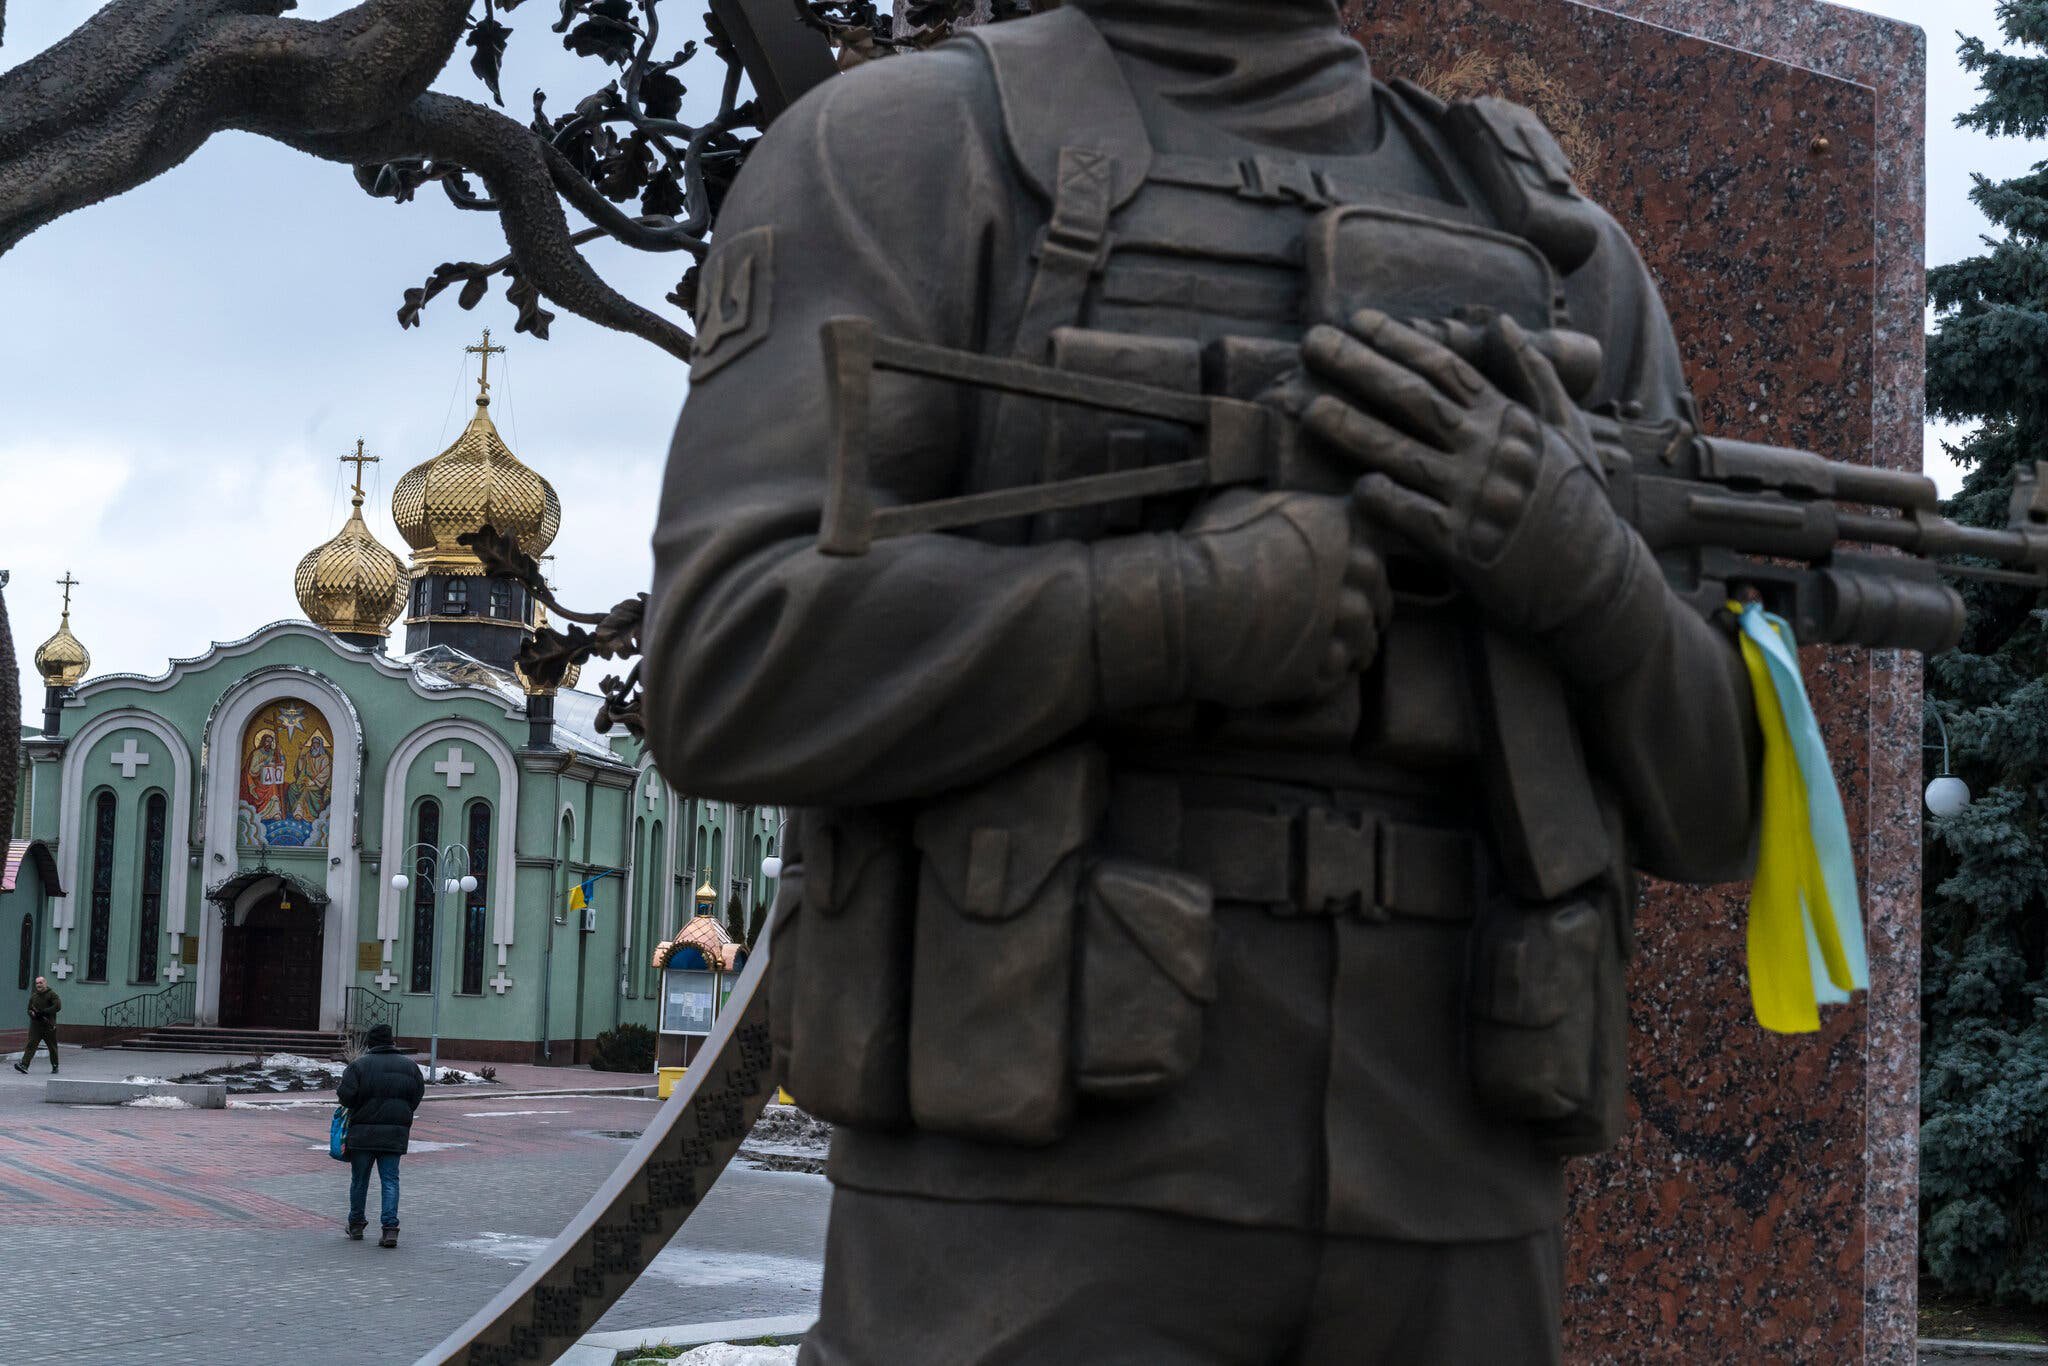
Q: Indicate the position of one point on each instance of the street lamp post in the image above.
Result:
(1947, 794)
(449, 867)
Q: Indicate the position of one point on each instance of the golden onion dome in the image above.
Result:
(352, 585)
(62, 659)
(476, 481)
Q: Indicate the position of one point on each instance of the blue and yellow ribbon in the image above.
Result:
(1806, 946)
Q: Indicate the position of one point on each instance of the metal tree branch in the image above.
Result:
(511, 161)
(143, 84)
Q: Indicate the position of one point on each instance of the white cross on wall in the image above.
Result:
(653, 793)
(385, 980)
(60, 969)
(175, 972)
(501, 983)
(455, 768)
(129, 759)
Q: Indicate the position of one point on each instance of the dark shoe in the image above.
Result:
(390, 1238)
(355, 1230)
(21, 1068)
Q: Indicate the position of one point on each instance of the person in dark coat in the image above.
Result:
(381, 1089)
(43, 1005)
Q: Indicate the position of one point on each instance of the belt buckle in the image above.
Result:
(1340, 864)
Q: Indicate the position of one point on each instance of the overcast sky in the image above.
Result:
(181, 367)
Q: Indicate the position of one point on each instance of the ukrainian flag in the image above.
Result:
(580, 894)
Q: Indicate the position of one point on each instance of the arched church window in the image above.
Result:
(473, 933)
(102, 888)
(149, 924)
(427, 832)
(28, 949)
(501, 600)
(419, 597)
(287, 780)
(455, 599)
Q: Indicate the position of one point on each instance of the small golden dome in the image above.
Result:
(540, 620)
(568, 681)
(352, 585)
(475, 481)
(707, 892)
(63, 659)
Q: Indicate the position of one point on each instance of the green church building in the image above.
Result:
(215, 847)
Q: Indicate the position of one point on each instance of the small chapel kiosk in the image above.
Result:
(698, 969)
(206, 855)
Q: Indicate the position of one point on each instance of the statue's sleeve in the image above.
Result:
(1676, 734)
(775, 673)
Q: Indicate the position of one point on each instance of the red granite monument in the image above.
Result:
(1767, 157)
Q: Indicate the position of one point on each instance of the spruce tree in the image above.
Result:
(1984, 1065)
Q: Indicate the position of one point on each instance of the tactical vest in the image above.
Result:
(1203, 274)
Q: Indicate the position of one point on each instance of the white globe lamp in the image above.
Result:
(399, 882)
(771, 868)
(1947, 795)
(468, 883)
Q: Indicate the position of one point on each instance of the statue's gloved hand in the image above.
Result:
(1493, 475)
(1260, 598)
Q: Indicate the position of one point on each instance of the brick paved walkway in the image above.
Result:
(193, 1236)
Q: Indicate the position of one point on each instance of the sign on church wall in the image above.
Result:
(287, 781)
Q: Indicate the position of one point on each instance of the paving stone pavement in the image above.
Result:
(195, 1236)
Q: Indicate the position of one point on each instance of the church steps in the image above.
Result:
(206, 1039)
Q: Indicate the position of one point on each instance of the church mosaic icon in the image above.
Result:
(287, 778)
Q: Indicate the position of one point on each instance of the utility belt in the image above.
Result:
(989, 964)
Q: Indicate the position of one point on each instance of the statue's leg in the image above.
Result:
(1382, 1303)
(916, 1282)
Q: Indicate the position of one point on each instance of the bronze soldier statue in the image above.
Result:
(1207, 914)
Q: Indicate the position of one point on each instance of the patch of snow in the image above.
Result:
(157, 1103)
(145, 1081)
(455, 1076)
(733, 1354)
(684, 1268)
(296, 1063)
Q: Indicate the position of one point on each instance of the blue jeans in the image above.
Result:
(359, 1185)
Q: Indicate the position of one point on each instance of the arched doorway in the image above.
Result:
(270, 951)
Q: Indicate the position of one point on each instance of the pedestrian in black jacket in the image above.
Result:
(43, 1005)
(381, 1089)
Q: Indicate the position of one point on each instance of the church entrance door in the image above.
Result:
(270, 967)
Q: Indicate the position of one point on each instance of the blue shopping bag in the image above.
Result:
(337, 1134)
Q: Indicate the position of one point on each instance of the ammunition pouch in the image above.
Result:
(1547, 1013)
(839, 999)
(978, 970)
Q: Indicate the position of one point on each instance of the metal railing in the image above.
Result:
(152, 1010)
(362, 1010)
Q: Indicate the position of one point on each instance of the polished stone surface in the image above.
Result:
(1763, 1205)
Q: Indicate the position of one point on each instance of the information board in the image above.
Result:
(687, 1001)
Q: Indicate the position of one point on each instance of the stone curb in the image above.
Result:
(1947, 1349)
(600, 1349)
(199, 1095)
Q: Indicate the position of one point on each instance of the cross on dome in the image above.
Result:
(483, 379)
(359, 460)
(67, 583)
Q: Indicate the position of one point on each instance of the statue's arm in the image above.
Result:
(1676, 730)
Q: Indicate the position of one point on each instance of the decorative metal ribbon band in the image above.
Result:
(567, 1288)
